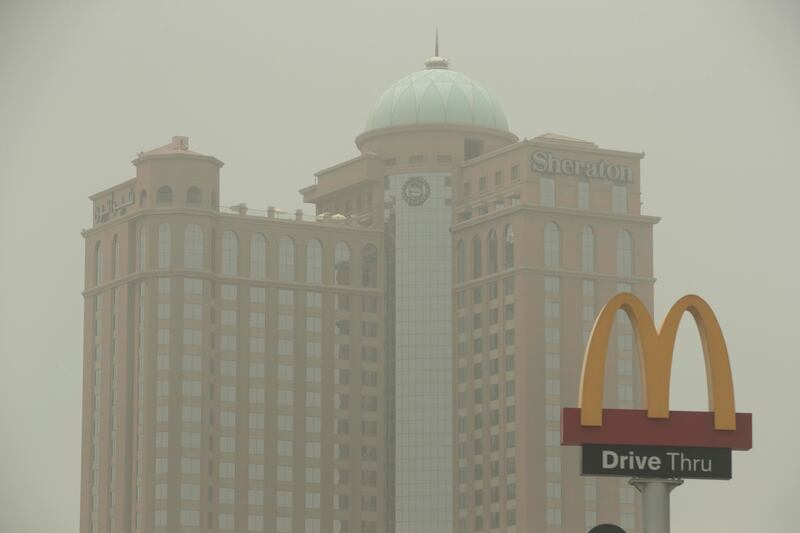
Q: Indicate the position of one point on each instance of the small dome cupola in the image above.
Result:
(437, 95)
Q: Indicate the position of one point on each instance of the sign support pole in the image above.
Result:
(655, 502)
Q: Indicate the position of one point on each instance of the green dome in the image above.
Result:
(437, 95)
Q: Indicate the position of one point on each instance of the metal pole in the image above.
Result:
(655, 502)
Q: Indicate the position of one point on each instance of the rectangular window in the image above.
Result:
(369, 329)
(552, 335)
(192, 312)
(313, 449)
(227, 418)
(552, 464)
(255, 472)
(551, 285)
(552, 413)
(190, 465)
(227, 444)
(258, 295)
(191, 388)
(163, 285)
(313, 324)
(583, 193)
(192, 337)
(314, 300)
(619, 199)
(191, 414)
(547, 191)
(472, 148)
(228, 317)
(229, 292)
(192, 363)
(192, 286)
(257, 345)
(285, 297)
(284, 473)
(314, 349)
(227, 470)
(190, 439)
(228, 343)
(508, 286)
(285, 347)
(625, 393)
(313, 375)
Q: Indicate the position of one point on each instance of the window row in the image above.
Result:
(619, 194)
(552, 252)
(164, 195)
(194, 257)
(492, 263)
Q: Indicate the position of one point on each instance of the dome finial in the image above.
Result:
(437, 61)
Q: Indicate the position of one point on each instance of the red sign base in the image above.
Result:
(632, 426)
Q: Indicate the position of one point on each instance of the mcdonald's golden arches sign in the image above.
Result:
(720, 427)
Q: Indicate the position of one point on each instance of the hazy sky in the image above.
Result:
(709, 90)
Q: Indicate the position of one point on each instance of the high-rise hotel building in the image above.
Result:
(394, 363)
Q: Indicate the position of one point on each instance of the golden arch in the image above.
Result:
(655, 355)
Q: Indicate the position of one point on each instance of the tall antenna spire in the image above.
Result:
(437, 61)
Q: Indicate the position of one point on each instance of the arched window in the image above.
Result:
(230, 253)
(142, 249)
(369, 266)
(476, 257)
(193, 246)
(587, 249)
(492, 244)
(194, 196)
(509, 246)
(341, 264)
(98, 263)
(624, 253)
(164, 245)
(164, 195)
(552, 246)
(286, 259)
(114, 256)
(461, 262)
(143, 198)
(258, 256)
(314, 261)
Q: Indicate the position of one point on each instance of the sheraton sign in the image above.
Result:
(547, 162)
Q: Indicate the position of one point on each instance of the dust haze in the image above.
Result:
(709, 90)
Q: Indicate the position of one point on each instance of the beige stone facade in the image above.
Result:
(232, 370)
(394, 363)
